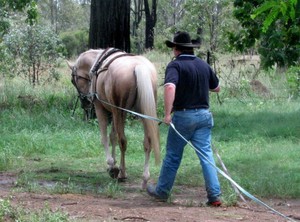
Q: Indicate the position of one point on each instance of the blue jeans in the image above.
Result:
(195, 126)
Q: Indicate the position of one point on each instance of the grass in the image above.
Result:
(12, 213)
(257, 138)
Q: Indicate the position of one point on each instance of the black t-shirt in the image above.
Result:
(193, 78)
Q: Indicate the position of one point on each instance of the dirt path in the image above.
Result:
(138, 206)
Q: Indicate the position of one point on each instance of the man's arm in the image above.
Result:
(169, 96)
(216, 89)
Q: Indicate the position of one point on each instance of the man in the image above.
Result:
(188, 80)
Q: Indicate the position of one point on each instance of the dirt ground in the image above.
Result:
(138, 206)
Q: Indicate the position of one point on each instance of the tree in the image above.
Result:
(150, 23)
(137, 15)
(208, 19)
(276, 10)
(53, 13)
(64, 15)
(170, 13)
(32, 52)
(274, 26)
(7, 7)
(110, 24)
(137, 11)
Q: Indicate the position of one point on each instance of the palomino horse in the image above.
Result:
(111, 79)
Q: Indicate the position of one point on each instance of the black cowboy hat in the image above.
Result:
(183, 39)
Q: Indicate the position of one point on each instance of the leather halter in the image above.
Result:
(98, 67)
(74, 79)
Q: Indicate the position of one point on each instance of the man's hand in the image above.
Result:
(216, 89)
(168, 119)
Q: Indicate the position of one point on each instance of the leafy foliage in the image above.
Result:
(204, 20)
(208, 19)
(75, 42)
(64, 15)
(275, 8)
(293, 80)
(32, 52)
(272, 26)
(16, 5)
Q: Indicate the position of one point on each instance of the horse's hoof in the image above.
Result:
(144, 185)
(122, 179)
(113, 172)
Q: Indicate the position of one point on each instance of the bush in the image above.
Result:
(33, 52)
(75, 42)
(293, 80)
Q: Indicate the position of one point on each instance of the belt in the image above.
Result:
(186, 109)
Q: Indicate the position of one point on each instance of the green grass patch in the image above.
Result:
(52, 151)
(12, 213)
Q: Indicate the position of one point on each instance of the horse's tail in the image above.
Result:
(146, 101)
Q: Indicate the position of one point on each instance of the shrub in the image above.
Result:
(75, 42)
(33, 52)
(293, 80)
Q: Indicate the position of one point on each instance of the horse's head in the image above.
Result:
(80, 79)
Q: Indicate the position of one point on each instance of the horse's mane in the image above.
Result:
(83, 56)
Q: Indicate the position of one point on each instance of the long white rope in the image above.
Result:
(230, 179)
(198, 151)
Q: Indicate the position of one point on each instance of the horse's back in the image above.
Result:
(124, 68)
(118, 84)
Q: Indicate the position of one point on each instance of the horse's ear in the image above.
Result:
(70, 64)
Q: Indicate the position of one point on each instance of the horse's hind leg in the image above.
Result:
(119, 124)
(113, 171)
(147, 150)
(102, 117)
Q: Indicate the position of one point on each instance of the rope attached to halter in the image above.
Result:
(75, 106)
(198, 151)
(129, 111)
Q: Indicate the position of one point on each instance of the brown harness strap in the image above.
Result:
(97, 67)
(104, 68)
(104, 55)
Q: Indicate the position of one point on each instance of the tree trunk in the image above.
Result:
(138, 8)
(150, 24)
(110, 24)
(53, 14)
(137, 14)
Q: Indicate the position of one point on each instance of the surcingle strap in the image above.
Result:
(101, 64)
(105, 67)
(101, 58)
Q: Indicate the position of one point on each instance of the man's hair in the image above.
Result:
(185, 50)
